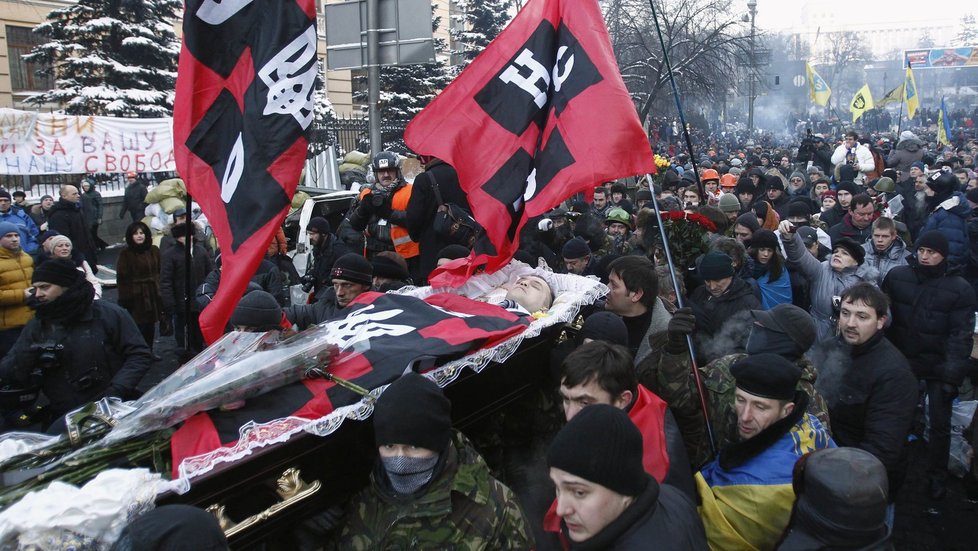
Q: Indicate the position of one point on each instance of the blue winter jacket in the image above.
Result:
(951, 219)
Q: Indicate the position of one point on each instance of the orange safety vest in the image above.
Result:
(399, 234)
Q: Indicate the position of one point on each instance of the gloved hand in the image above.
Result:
(384, 210)
(681, 325)
(545, 225)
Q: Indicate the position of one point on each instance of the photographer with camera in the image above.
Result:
(378, 220)
(76, 349)
(325, 249)
(813, 149)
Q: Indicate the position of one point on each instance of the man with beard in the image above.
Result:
(326, 248)
(351, 276)
(933, 320)
(746, 493)
(429, 488)
(600, 204)
(872, 394)
(948, 213)
(619, 225)
(16, 268)
(78, 349)
(785, 330)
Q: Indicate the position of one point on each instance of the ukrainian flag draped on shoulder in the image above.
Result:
(943, 126)
(747, 506)
(861, 102)
(910, 94)
(541, 114)
(818, 89)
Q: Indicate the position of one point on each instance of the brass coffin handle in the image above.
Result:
(290, 487)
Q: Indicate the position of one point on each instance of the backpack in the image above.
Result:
(452, 222)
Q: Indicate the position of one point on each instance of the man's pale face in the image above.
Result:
(850, 142)
(745, 198)
(620, 300)
(796, 183)
(844, 198)
(585, 507)
(774, 194)
(929, 257)
(10, 241)
(862, 215)
(600, 200)
(962, 177)
(858, 322)
(71, 194)
(882, 239)
(690, 198)
(5, 204)
(314, 237)
(920, 183)
(346, 291)
(821, 188)
(711, 185)
(532, 293)
(754, 414)
(717, 287)
(386, 177)
(46, 292)
(577, 265)
(617, 229)
(579, 397)
(841, 259)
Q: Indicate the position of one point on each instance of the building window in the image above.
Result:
(23, 75)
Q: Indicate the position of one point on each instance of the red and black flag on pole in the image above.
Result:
(244, 100)
(541, 114)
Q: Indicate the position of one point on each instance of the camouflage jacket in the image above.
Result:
(463, 509)
(677, 386)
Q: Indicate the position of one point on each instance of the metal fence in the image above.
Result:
(352, 132)
(49, 184)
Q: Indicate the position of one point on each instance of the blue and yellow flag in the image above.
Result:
(861, 102)
(943, 125)
(817, 88)
(910, 94)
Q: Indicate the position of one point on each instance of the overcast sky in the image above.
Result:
(772, 14)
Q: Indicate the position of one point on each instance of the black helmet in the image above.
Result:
(384, 160)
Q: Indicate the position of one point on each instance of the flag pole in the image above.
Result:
(187, 259)
(689, 340)
(679, 106)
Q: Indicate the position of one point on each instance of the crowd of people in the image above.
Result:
(758, 393)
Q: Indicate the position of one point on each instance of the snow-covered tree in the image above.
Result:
(475, 23)
(968, 35)
(110, 57)
(320, 137)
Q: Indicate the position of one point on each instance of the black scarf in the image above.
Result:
(860, 349)
(738, 453)
(71, 305)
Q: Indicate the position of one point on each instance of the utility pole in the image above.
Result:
(373, 76)
(752, 65)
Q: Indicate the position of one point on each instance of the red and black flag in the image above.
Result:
(541, 114)
(381, 337)
(244, 99)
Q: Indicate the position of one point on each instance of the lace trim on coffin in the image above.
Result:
(571, 292)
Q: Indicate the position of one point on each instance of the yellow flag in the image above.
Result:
(893, 96)
(910, 94)
(862, 101)
(817, 88)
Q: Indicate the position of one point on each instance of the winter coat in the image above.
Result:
(138, 277)
(846, 229)
(325, 308)
(906, 153)
(464, 507)
(423, 206)
(825, 282)
(951, 219)
(933, 321)
(39, 216)
(134, 200)
(660, 514)
(92, 206)
(712, 313)
(864, 159)
(67, 219)
(25, 227)
(173, 266)
(104, 354)
(872, 401)
(895, 255)
(321, 266)
(832, 216)
(16, 270)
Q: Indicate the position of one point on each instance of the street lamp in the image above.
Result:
(752, 8)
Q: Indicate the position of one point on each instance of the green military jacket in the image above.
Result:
(676, 385)
(463, 509)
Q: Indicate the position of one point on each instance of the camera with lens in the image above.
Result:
(308, 282)
(47, 354)
(378, 197)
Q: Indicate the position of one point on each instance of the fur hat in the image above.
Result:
(854, 249)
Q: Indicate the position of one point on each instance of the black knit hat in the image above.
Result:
(764, 238)
(601, 445)
(643, 194)
(413, 411)
(854, 249)
(353, 267)
(5, 194)
(744, 185)
(319, 224)
(385, 266)
(851, 187)
(57, 271)
(575, 248)
(749, 221)
(715, 265)
(257, 309)
(180, 230)
(453, 252)
(605, 326)
(767, 376)
(774, 182)
(799, 208)
(791, 320)
(934, 240)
